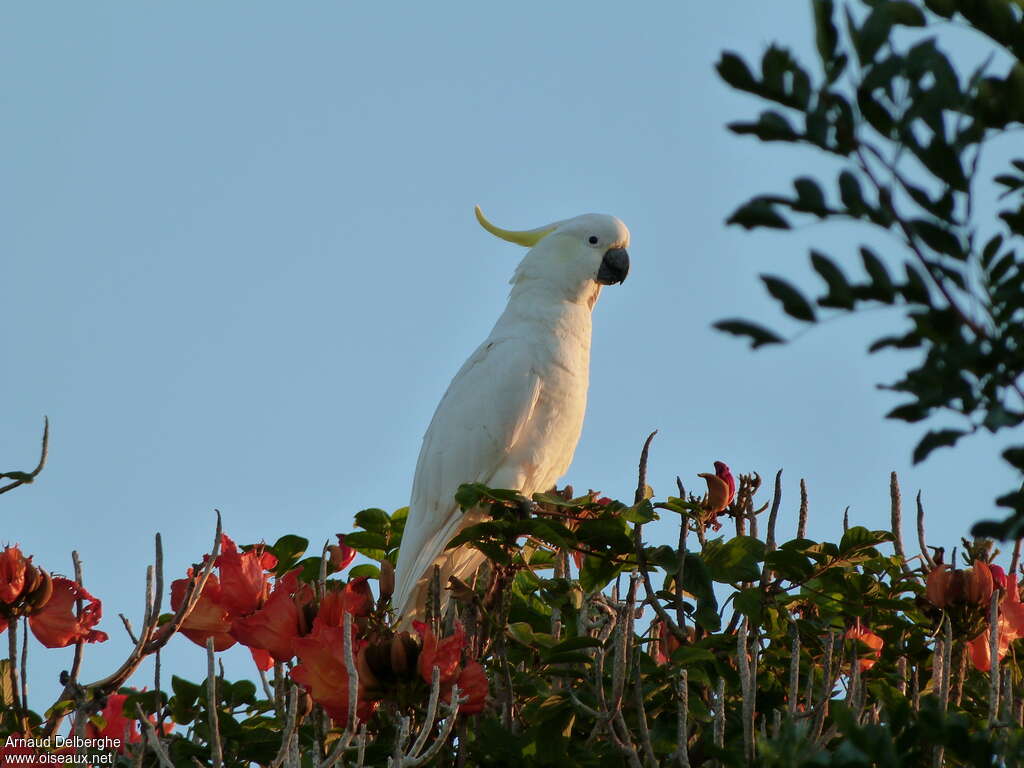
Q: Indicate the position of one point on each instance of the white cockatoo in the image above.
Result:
(512, 415)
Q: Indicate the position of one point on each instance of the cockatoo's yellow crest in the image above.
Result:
(527, 238)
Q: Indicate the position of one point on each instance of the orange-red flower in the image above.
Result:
(321, 671)
(12, 573)
(124, 729)
(1011, 627)
(445, 654)
(871, 640)
(244, 584)
(946, 586)
(358, 598)
(56, 625)
(665, 643)
(209, 618)
(274, 626)
(472, 684)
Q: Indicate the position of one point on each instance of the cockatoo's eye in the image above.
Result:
(593, 239)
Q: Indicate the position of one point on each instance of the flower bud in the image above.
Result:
(387, 580)
(979, 584)
(42, 590)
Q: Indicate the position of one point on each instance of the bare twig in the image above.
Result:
(24, 478)
(747, 689)
(154, 739)
(12, 660)
(289, 729)
(896, 517)
(1015, 560)
(641, 481)
(801, 526)
(719, 726)
(641, 712)
(794, 668)
(24, 662)
(151, 639)
(428, 719)
(216, 750)
(993, 690)
(922, 541)
(682, 713)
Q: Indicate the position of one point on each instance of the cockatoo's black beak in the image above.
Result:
(614, 267)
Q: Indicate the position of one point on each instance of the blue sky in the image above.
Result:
(240, 267)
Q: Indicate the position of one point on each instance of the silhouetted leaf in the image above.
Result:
(758, 336)
(936, 439)
(793, 302)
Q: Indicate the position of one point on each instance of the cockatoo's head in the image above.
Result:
(575, 256)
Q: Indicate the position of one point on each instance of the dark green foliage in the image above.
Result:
(908, 124)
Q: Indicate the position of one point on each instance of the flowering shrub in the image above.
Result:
(730, 647)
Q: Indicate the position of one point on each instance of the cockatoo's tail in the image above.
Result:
(512, 415)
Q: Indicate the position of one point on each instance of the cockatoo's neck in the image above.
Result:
(565, 315)
(539, 291)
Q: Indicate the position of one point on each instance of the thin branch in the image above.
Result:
(216, 750)
(24, 478)
(993, 669)
(154, 739)
(289, 729)
(921, 540)
(682, 713)
(801, 526)
(641, 712)
(641, 481)
(896, 520)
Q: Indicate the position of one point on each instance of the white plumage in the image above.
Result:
(512, 415)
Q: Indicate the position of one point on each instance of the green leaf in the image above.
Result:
(826, 37)
(793, 302)
(915, 290)
(521, 632)
(597, 572)
(749, 603)
(770, 126)
(736, 73)
(373, 520)
(873, 34)
(904, 13)
(366, 570)
(757, 213)
(809, 196)
(909, 412)
(185, 690)
(840, 294)
(735, 560)
(363, 540)
(575, 644)
(789, 564)
(1015, 457)
(936, 439)
(851, 195)
(758, 335)
(640, 513)
(859, 538)
(288, 549)
(882, 287)
(938, 239)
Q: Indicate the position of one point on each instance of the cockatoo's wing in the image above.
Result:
(474, 430)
